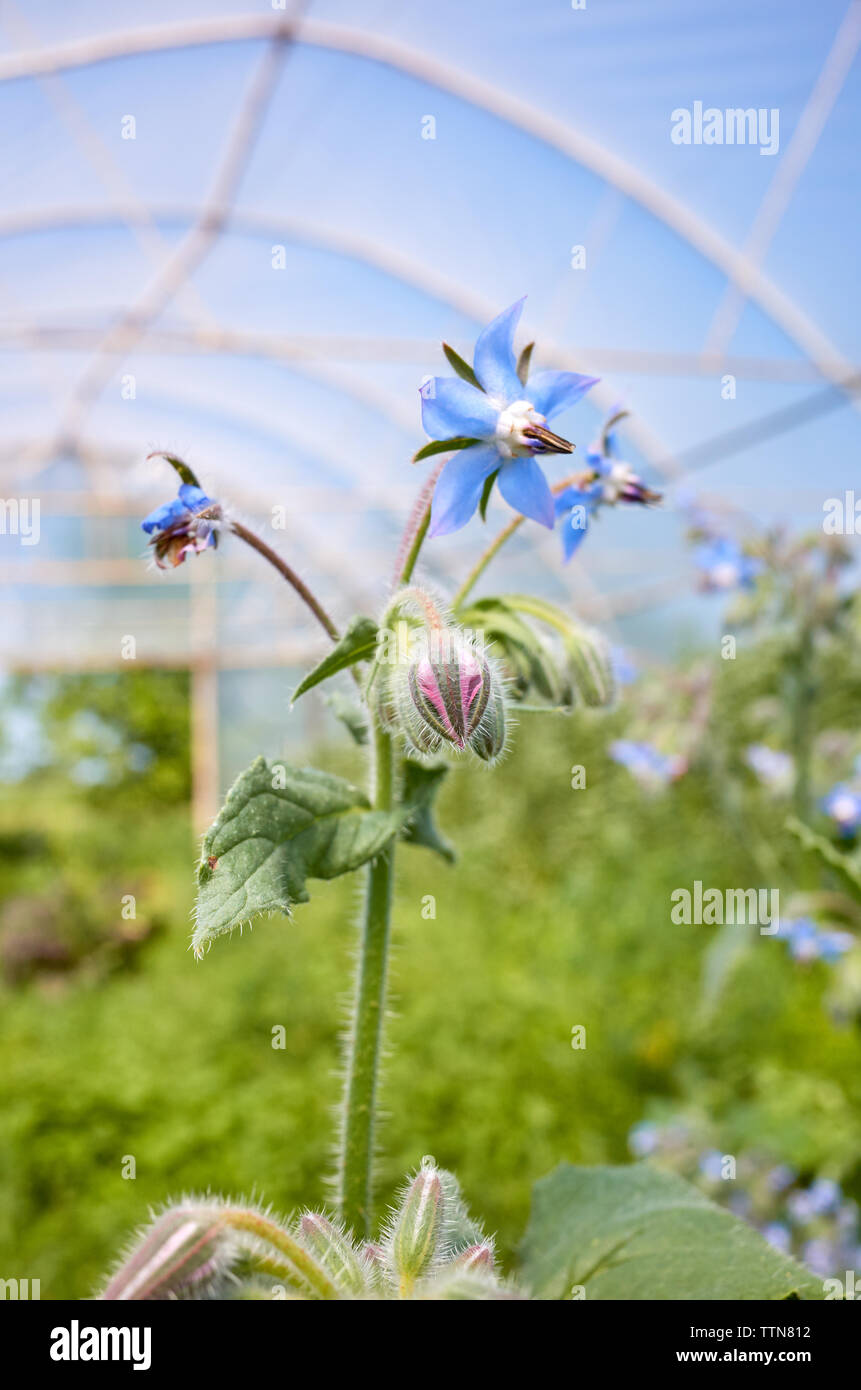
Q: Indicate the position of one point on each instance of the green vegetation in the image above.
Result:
(562, 919)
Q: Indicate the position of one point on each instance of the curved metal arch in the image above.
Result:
(390, 262)
(740, 270)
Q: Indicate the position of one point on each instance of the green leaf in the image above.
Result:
(279, 826)
(357, 644)
(639, 1233)
(523, 362)
(462, 368)
(485, 494)
(187, 475)
(443, 446)
(420, 786)
(351, 715)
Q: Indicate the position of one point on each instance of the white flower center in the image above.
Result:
(512, 421)
(844, 808)
(616, 480)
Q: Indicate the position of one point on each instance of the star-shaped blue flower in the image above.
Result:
(507, 420)
(608, 482)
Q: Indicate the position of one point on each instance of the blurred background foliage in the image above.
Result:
(115, 1043)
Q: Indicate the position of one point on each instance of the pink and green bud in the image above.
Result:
(335, 1252)
(475, 1257)
(417, 1230)
(183, 1250)
(452, 696)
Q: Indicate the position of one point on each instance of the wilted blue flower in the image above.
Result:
(607, 482)
(185, 525)
(773, 768)
(507, 419)
(646, 764)
(725, 565)
(843, 805)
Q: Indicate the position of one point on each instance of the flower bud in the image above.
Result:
(184, 1248)
(335, 1252)
(590, 667)
(449, 693)
(475, 1257)
(417, 1229)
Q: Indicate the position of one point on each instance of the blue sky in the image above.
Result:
(390, 238)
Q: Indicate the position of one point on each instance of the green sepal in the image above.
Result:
(485, 494)
(187, 475)
(444, 446)
(523, 363)
(462, 368)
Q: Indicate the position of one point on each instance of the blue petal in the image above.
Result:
(451, 407)
(553, 392)
(164, 516)
(494, 362)
(194, 498)
(458, 492)
(573, 536)
(524, 488)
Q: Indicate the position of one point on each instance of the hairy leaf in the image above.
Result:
(279, 826)
(357, 644)
(420, 786)
(639, 1233)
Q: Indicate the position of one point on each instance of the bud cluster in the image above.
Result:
(436, 687)
(430, 1249)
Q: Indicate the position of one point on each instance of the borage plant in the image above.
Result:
(436, 678)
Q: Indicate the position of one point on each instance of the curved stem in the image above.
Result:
(484, 560)
(505, 534)
(355, 1188)
(252, 539)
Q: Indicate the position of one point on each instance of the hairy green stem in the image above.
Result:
(355, 1178)
(252, 539)
(496, 545)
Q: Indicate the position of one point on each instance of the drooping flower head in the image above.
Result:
(497, 421)
(187, 525)
(607, 482)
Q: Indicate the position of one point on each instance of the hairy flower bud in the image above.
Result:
(335, 1252)
(183, 1249)
(417, 1229)
(590, 667)
(449, 693)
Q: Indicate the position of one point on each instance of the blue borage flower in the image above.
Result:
(724, 565)
(774, 769)
(646, 764)
(187, 525)
(607, 482)
(807, 941)
(504, 421)
(843, 806)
